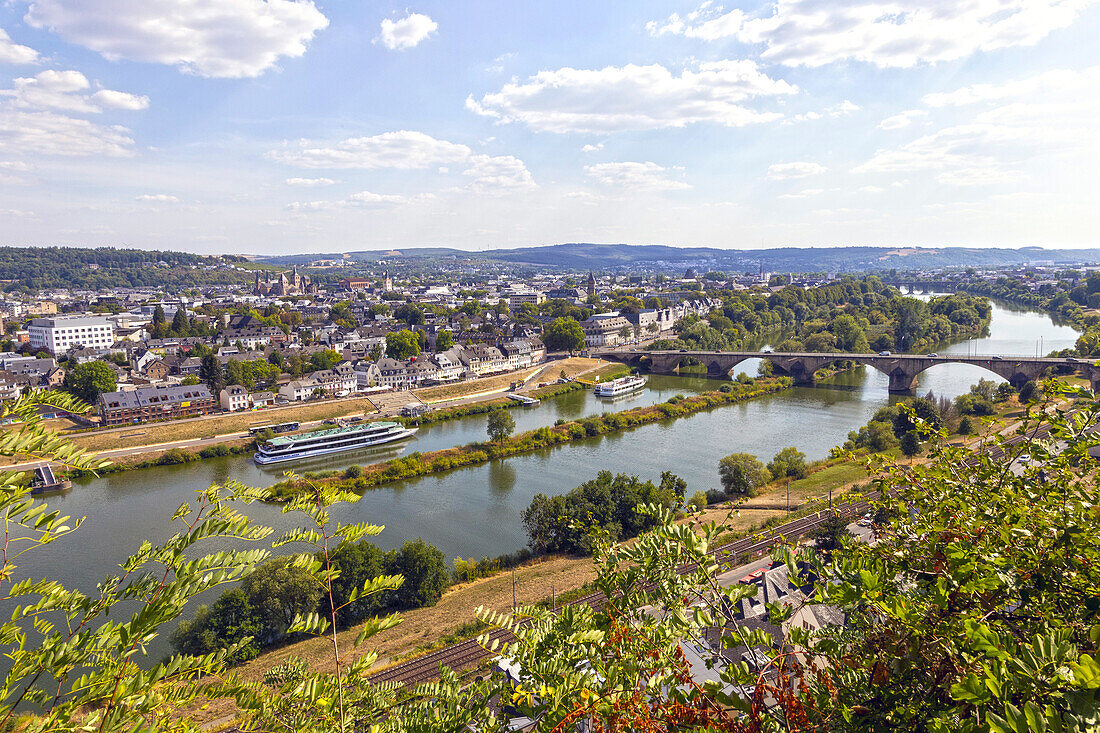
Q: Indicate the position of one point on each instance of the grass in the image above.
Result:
(451, 619)
(153, 433)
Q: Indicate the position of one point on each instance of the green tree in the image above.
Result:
(910, 443)
(500, 425)
(789, 462)
(324, 359)
(742, 473)
(563, 334)
(89, 380)
(425, 574)
(212, 374)
(830, 534)
(279, 592)
(180, 325)
(376, 352)
(402, 344)
(158, 315)
(410, 314)
(444, 340)
(909, 320)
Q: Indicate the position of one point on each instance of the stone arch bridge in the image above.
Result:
(902, 369)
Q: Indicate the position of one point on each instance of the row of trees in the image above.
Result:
(260, 611)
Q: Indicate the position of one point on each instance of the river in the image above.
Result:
(476, 511)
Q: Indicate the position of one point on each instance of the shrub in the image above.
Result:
(353, 471)
(966, 427)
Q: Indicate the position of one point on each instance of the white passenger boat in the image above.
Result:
(329, 440)
(620, 386)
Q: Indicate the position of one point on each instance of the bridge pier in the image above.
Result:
(902, 382)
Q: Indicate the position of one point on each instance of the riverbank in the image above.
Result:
(417, 464)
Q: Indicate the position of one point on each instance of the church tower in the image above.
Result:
(591, 284)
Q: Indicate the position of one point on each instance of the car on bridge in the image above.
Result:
(884, 353)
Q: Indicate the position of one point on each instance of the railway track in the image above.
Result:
(468, 653)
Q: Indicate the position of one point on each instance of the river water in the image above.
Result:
(476, 511)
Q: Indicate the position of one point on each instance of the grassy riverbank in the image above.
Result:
(360, 479)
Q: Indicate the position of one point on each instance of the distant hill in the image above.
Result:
(585, 256)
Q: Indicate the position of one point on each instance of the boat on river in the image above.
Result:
(620, 386)
(328, 441)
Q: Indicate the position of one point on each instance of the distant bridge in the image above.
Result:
(902, 369)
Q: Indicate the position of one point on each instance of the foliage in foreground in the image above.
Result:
(976, 610)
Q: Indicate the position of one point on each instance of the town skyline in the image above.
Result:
(339, 127)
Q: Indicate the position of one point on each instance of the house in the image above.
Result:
(450, 365)
(234, 398)
(339, 381)
(263, 399)
(155, 403)
(367, 375)
(605, 329)
(394, 373)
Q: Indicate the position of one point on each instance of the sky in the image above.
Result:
(288, 126)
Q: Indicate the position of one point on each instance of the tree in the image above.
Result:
(190, 380)
(563, 334)
(324, 359)
(410, 314)
(742, 473)
(158, 316)
(910, 443)
(830, 534)
(89, 380)
(180, 325)
(966, 426)
(212, 373)
(402, 344)
(908, 322)
(789, 462)
(444, 340)
(376, 352)
(500, 425)
(425, 572)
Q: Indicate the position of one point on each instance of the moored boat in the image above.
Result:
(329, 440)
(620, 386)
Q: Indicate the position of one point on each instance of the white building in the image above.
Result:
(59, 333)
(234, 398)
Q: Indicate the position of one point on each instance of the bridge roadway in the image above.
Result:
(902, 369)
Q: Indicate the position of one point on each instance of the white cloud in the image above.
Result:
(49, 133)
(111, 99)
(592, 148)
(309, 182)
(216, 38)
(499, 173)
(157, 198)
(634, 98)
(871, 189)
(1048, 115)
(60, 90)
(902, 119)
(397, 35)
(402, 150)
(12, 53)
(796, 169)
(37, 117)
(636, 176)
(16, 165)
(804, 193)
(879, 32)
(361, 200)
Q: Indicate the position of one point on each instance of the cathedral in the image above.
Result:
(284, 284)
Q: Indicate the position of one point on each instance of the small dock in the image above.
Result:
(524, 400)
(45, 481)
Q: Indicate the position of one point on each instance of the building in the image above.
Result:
(60, 333)
(605, 329)
(234, 398)
(354, 284)
(155, 403)
(340, 381)
(284, 284)
(519, 297)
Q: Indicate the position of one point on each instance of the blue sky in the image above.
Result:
(282, 126)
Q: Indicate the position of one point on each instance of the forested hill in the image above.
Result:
(600, 257)
(34, 268)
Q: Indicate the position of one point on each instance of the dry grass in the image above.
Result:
(501, 382)
(422, 626)
(154, 433)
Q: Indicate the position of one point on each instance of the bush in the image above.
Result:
(698, 501)
(966, 426)
(742, 473)
(353, 472)
(788, 463)
(910, 443)
(716, 496)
